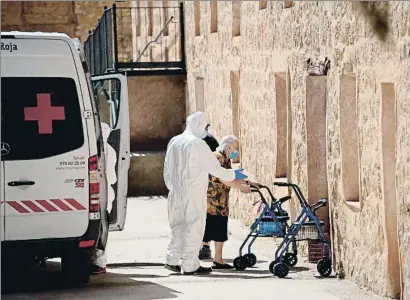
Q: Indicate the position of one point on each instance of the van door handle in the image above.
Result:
(21, 183)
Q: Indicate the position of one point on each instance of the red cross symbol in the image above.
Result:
(44, 114)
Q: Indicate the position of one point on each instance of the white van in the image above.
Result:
(53, 184)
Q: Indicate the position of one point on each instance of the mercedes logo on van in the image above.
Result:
(5, 148)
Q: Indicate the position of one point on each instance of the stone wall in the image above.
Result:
(157, 110)
(276, 40)
(35, 16)
(75, 18)
(145, 177)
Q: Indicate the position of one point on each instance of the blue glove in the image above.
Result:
(239, 175)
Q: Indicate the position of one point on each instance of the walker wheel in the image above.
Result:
(250, 259)
(281, 270)
(324, 267)
(290, 259)
(240, 263)
(271, 265)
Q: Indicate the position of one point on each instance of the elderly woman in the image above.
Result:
(218, 204)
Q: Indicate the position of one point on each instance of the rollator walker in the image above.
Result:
(272, 222)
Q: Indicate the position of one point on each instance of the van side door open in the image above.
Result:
(111, 93)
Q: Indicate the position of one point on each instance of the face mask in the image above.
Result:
(234, 154)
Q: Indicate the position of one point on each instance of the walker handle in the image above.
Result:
(253, 184)
(284, 199)
(282, 184)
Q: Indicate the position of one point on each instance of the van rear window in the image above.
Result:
(40, 117)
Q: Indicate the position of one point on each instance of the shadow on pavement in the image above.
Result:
(299, 269)
(230, 261)
(133, 265)
(49, 284)
(322, 278)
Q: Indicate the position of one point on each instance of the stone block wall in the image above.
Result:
(35, 16)
(157, 110)
(145, 177)
(276, 40)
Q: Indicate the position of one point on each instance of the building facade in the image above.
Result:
(342, 135)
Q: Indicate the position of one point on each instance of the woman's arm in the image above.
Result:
(237, 184)
(233, 184)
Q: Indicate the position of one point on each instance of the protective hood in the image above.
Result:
(196, 124)
(105, 131)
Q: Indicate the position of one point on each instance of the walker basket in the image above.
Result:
(270, 227)
(308, 231)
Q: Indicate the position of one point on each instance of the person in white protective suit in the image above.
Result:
(188, 162)
(100, 256)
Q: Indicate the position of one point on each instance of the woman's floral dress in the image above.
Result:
(218, 193)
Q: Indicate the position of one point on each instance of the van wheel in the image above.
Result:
(76, 267)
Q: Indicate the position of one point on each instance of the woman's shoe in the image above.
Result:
(218, 266)
(205, 253)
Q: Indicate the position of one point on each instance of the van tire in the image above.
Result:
(77, 267)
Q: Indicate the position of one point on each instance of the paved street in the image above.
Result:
(135, 271)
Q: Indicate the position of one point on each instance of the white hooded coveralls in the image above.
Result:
(100, 256)
(188, 162)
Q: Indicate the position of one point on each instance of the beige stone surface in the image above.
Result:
(281, 40)
(157, 110)
(35, 16)
(316, 144)
(75, 18)
(11, 13)
(145, 176)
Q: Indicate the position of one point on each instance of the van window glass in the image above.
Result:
(41, 117)
(94, 106)
(108, 99)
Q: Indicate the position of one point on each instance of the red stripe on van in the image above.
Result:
(75, 204)
(32, 206)
(46, 205)
(61, 204)
(18, 207)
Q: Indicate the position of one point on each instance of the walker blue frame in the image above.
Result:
(277, 216)
(306, 219)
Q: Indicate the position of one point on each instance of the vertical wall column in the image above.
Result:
(235, 92)
(316, 149)
(199, 94)
(281, 125)
(349, 139)
(388, 137)
(282, 138)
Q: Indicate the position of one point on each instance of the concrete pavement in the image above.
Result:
(135, 270)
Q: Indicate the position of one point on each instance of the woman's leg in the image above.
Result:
(219, 246)
(221, 238)
(205, 251)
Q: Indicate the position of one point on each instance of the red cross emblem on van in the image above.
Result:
(44, 114)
